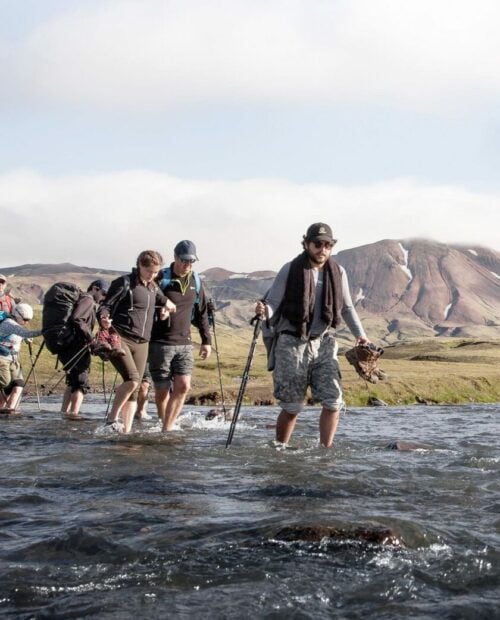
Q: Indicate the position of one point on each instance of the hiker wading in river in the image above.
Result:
(131, 303)
(305, 304)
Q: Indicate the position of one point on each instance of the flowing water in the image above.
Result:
(153, 526)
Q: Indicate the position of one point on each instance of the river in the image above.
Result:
(96, 525)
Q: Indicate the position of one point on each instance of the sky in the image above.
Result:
(132, 124)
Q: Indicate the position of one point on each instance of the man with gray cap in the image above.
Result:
(7, 302)
(306, 303)
(171, 349)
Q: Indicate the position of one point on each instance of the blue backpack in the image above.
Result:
(4, 351)
(166, 278)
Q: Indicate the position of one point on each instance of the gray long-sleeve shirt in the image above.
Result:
(277, 292)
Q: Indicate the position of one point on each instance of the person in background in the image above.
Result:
(306, 303)
(7, 302)
(171, 359)
(12, 332)
(131, 303)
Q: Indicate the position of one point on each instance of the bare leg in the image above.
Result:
(122, 395)
(128, 413)
(328, 422)
(285, 425)
(14, 397)
(66, 400)
(72, 401)
(182, 384)
(162, 396)
(142, 399)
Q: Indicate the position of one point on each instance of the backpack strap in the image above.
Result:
(166, 279)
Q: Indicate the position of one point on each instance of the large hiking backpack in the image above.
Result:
(58, 306)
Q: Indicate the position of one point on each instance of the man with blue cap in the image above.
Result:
(171, 360)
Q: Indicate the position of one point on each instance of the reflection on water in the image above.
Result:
(99, 525)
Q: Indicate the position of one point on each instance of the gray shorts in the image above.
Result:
(167, 360)
(300, 364)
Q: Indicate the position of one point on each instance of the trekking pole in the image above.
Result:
(257, 320)
(103, 382)
(211, 319)
(33, 363)
(30, 349)
(110, 396)
(68, 367)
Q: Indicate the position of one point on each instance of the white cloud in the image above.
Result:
(106, 220)
(433, 53)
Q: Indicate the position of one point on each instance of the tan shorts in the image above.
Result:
(301, 364)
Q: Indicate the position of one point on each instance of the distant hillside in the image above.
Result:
(401, 288)
(426, 287)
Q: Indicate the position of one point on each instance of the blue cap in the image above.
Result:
(186, 250)
(102, 285)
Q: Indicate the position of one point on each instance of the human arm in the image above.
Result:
(349, 313)
(266, 308)
(8, 328)
(201, 322)
(117, 291)
(83, 317)
(166, 306)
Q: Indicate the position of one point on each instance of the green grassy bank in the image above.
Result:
(429, 370)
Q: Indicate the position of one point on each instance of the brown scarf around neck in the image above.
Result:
(300, 294)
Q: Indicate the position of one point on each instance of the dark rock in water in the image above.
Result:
(407, 446)
(373, 401)
(370, 534)
(425, 401)
(219, 413)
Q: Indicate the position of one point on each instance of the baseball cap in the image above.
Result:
(319, 231)
(3, 278)
(25, 311)
(102, 285)
(186, 250)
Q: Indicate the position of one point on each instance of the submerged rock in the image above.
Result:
(220, 414)
(407, 446)
(369, 534)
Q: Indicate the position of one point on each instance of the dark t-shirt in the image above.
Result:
(177, 329)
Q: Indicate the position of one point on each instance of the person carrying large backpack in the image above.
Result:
(68, 320)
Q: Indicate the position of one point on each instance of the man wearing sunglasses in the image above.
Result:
(306, 303)
(171, 349)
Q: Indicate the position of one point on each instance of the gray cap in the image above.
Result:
(3, 278)
(186, 250)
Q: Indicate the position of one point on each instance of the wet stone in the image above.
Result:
(369, 534)
(407, 446)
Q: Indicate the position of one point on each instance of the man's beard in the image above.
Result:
(315, 261)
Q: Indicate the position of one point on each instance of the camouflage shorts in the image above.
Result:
(300, 364)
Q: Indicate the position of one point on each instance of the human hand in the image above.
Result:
(260, 309)
(205, 351)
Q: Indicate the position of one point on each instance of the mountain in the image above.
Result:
(426, 287)
(401, 288)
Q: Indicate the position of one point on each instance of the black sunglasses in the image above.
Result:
(324, 244)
